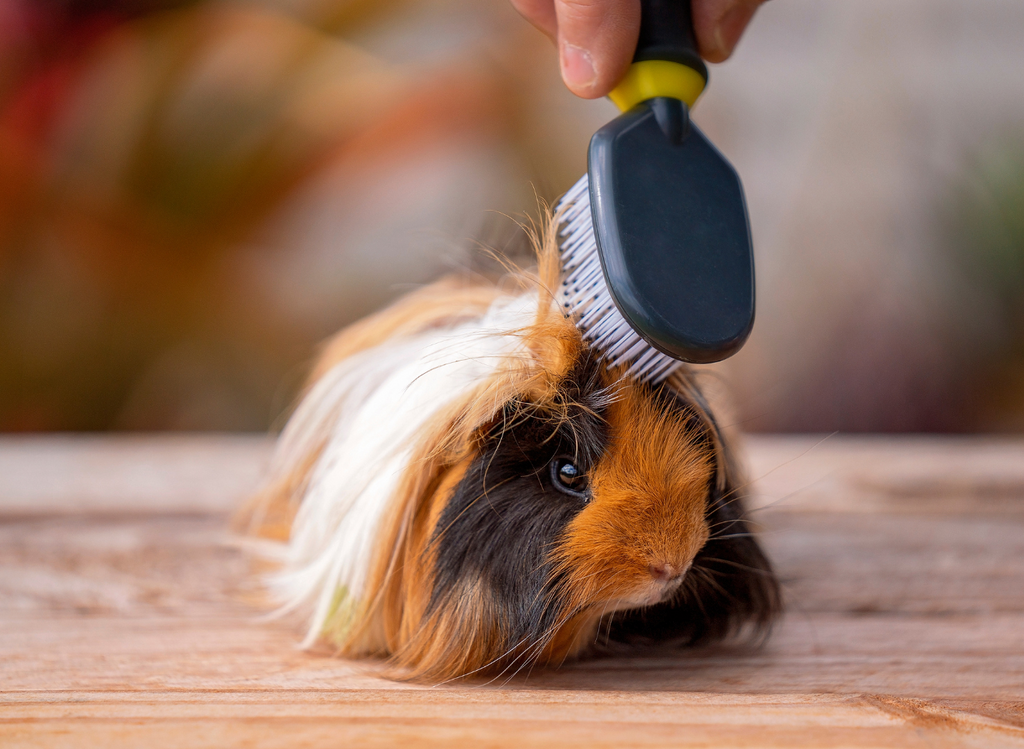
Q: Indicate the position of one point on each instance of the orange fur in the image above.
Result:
(648, 509)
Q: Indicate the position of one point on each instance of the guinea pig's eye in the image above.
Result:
(568, 477)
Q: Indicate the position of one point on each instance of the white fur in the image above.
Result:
(372, 407)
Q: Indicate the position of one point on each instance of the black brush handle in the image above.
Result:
(666, 33)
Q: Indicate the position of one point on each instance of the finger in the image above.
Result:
(719, 24)
(541, 13)
(596, 41)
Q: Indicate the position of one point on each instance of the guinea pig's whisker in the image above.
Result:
(504, 357)
(735, 494)
(693, 594)
(484, 667)
(604, 613)
(737, 565)
(720, 523)
(726, 526)
(567, 616)
(731, 536)
(568, 613)
(709, 578)
(714, 585)
(783, 465)
(528, 657)
(531, 653)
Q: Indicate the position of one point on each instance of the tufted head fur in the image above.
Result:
(465, 488)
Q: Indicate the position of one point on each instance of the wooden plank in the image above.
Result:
(129, 619)
(133, 473)
(204, 473)
(877, 473)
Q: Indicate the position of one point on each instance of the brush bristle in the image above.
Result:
(584, 295)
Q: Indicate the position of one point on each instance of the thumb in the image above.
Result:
(596, 41)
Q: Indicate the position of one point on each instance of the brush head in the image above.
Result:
(656, 245)
(584, 295)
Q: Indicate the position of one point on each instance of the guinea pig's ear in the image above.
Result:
(730, 589)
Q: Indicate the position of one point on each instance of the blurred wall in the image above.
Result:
(194, 194)
(859, 130)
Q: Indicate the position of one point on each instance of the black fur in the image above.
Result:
(505, 514)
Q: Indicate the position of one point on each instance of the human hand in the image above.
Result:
(596, 38)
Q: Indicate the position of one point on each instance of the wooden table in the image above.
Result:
(126, 616)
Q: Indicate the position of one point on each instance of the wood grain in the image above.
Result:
(128, 618)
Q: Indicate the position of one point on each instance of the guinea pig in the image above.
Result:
(466, 487)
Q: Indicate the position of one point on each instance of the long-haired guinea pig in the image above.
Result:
(467, 488)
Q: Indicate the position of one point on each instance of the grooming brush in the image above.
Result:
(657, 261)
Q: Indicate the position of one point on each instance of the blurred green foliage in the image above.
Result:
(984, 221)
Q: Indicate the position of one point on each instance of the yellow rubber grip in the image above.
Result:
(649, 78)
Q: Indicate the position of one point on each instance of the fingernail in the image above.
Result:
(730, 28)
(577, 67)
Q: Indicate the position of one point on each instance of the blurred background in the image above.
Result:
(194, 194)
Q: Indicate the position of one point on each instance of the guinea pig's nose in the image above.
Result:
(665, 572)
